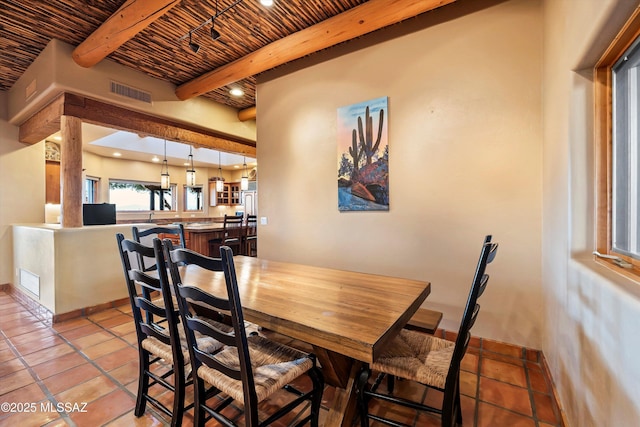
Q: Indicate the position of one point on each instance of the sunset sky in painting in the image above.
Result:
(348, 121)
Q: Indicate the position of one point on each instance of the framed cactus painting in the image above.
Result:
(363, 156)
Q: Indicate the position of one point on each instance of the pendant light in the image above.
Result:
(220, 181)
(244, 181)
(191, 173)
(165, 184)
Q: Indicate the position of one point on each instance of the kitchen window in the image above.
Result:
(617, 78)
(91, 189)
(193, 198)
(141, 196)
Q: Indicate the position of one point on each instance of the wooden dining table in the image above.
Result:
(348, 317)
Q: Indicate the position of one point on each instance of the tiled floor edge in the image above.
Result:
(547, 372)
(45, 314)
(38, 310)
(507, 349)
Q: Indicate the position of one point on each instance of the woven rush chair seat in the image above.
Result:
(274, 365)
(250, 368)
(417, 357)
(164, 351)
(425, 359)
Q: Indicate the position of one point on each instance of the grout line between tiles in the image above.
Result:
(45, 390)
(476, 409)
(482, 354)
(534, 409)
(78, 351)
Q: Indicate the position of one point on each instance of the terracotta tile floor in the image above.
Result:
(93, 361)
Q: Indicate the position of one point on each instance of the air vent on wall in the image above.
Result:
(30, 282)
(130, 92)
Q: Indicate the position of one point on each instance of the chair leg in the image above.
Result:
(178, 396)
(318, 388)
(391, 382)
(451, 413)
(199, 400)
(363, 379)
(143, 382)
(458, 408)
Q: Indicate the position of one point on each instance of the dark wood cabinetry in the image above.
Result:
(52, 182)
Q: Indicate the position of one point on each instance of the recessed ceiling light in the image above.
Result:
(266, 2)
(236, 167)
(116, 154)
(155, 159)
(236, 91)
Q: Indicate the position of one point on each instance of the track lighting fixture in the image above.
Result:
(215, 34)
(195, 47)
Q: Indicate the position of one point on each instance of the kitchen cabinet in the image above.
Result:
(52, 181)
(229, 196)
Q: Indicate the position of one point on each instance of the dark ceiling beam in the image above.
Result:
(131, 18)
(355, 22)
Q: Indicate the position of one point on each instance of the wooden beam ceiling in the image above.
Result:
(131, 18)
(355, 22)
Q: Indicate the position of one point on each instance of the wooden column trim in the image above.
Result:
(71, 172)
(131, 18)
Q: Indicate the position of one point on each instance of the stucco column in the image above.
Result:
(71, 171)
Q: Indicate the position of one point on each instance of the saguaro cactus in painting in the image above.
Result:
(363, 161)
(370, 148)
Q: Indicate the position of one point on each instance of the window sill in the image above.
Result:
(627, 279)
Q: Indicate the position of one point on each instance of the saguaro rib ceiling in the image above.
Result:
(348, 25)
(160, 49)
(131, 18)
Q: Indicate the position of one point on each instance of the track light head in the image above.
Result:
(215, 34)
(195, 47)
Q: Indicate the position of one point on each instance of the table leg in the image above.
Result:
(340, 371)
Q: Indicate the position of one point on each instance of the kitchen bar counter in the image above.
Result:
(67, 269)
(199, 234)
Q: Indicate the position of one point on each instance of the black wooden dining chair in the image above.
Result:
(248, 369)
(428, 360)
(161, 346)
(145, 236)
(251, 236)
(156, 331)
(231, 236)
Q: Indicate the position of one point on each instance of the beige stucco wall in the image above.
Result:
(21, 189)
(54, 72)
(590, 336)
(76, 267)
(464, 87)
